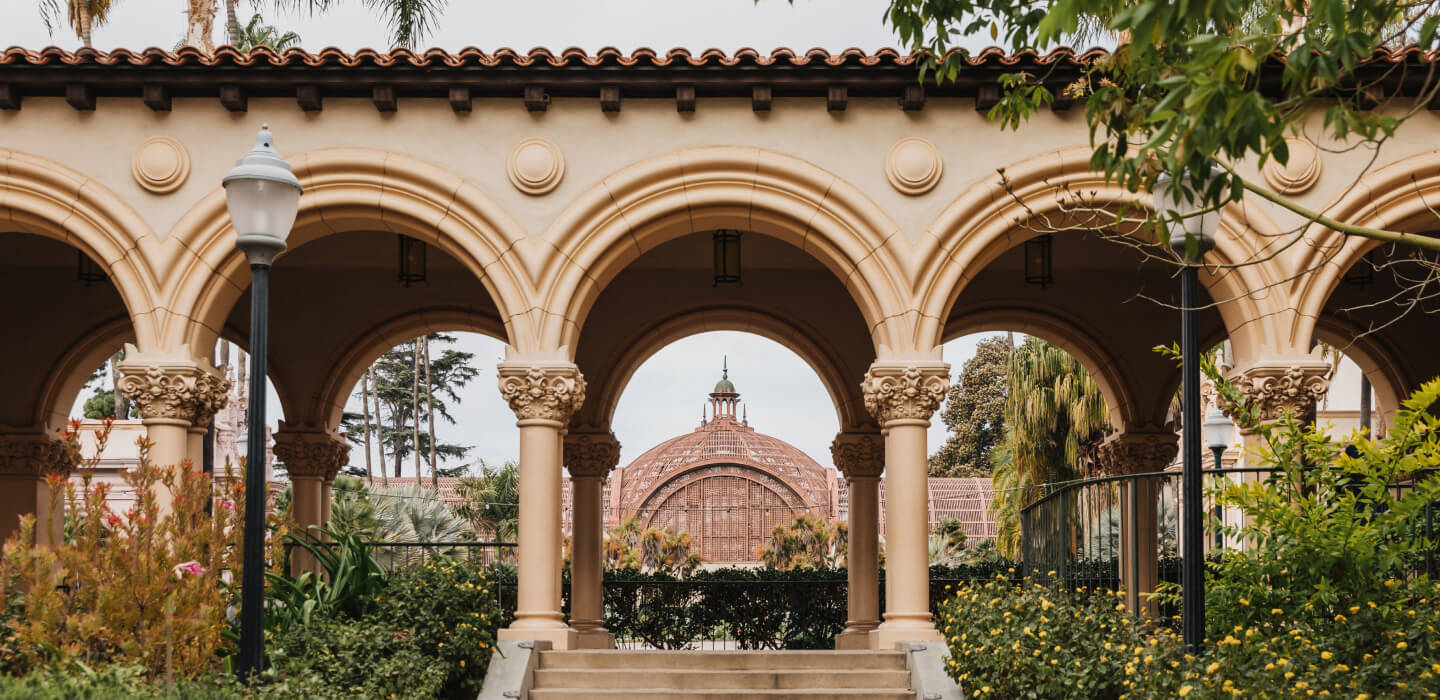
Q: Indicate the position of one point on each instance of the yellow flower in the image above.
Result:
(1185, 690)
(1326, 655)
(1401, 645)
(1213, 667)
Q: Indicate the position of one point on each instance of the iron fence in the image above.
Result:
(1074, 533)
(395, 556)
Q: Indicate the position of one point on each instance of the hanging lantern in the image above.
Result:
(1037, 261)
(412, 260)
(1363, 272)
(727, 257)
(87, 271)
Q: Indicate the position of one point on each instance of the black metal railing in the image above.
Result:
(395, 556)
(1076, 534)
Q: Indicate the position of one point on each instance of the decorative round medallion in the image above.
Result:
(160, 165)
(1298, 175)
(913, 166)
(536, 166)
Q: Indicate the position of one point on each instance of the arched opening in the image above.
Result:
(697, 459)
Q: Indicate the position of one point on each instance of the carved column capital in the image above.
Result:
(591, 453)
(905, 391)
(859, 455)
(545, 391)
(34, 455)
(315, 454)
(172, 388)
(1137, 453)
(1272, 389)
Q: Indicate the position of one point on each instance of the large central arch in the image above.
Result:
(745, 188)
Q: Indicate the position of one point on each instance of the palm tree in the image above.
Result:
(256, 33)
(410, 21)
(1054, 412)
(81, 15)
(491, 501)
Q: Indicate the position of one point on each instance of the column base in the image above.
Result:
(887, 635)
(560, 638)
(599, 638)
(854, 638)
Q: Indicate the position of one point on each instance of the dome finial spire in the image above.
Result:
(724, 366)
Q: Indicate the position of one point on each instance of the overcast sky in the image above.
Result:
(664, 399)
(556, 24)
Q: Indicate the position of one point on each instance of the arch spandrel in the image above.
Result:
(700, 189)
(43, 197)
(67, 377)
(350, 189)
(988, 218)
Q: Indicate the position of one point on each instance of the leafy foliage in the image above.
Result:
(1031, 641)
(257, 33)
(416, 514)
(1189, 85)
(1055, 411)
(650, 550)
(809, 542)
(974, 412)
(492, 501)
(351, 509)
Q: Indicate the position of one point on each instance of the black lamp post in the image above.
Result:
(1192, 227)
(1219, 432)
(263, 196)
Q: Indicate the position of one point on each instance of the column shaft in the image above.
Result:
(537, 609)
(862, 565)
(907, 535)
(587, 570)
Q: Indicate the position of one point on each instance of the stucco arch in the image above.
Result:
(360, 352)
(1400, 197)
(348, 189)
(1070, 335)
(746, 188)
(986, 220)
(795, 335)
(71, 371)
(1390, 377)
(43, 197)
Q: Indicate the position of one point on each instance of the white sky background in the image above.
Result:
(555, 24)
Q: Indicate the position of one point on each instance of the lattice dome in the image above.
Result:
(725, 484)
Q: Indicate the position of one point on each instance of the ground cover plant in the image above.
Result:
(1326, 598)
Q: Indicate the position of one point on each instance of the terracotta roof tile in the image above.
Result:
(571, 57)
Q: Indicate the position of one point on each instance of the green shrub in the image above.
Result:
(1031, 641)
(450, 611)
(370, 658)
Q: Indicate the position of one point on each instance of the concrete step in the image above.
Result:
(610, 659)
(707, 679)
(632, 694)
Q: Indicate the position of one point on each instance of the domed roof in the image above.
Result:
(725, 445)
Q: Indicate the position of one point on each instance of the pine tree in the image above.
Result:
(394, 384)
(974, 412)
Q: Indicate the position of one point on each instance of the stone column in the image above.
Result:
(1271, 389)
(310, 457)
(861, 458)
(902, 397)
(1139, 453)
(172, 392)
(590, 455)
(543, 395)
(28, 462)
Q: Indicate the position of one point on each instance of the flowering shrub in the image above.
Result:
(450, 610)
(143, 587)
(1032, 641)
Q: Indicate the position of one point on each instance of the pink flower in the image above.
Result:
(227, 504)
(190, 567)
(113, 520)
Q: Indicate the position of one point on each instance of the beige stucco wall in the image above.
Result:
(548, 262)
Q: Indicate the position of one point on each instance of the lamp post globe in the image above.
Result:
(1191, 227)
(263, 197)
(1219, 432)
